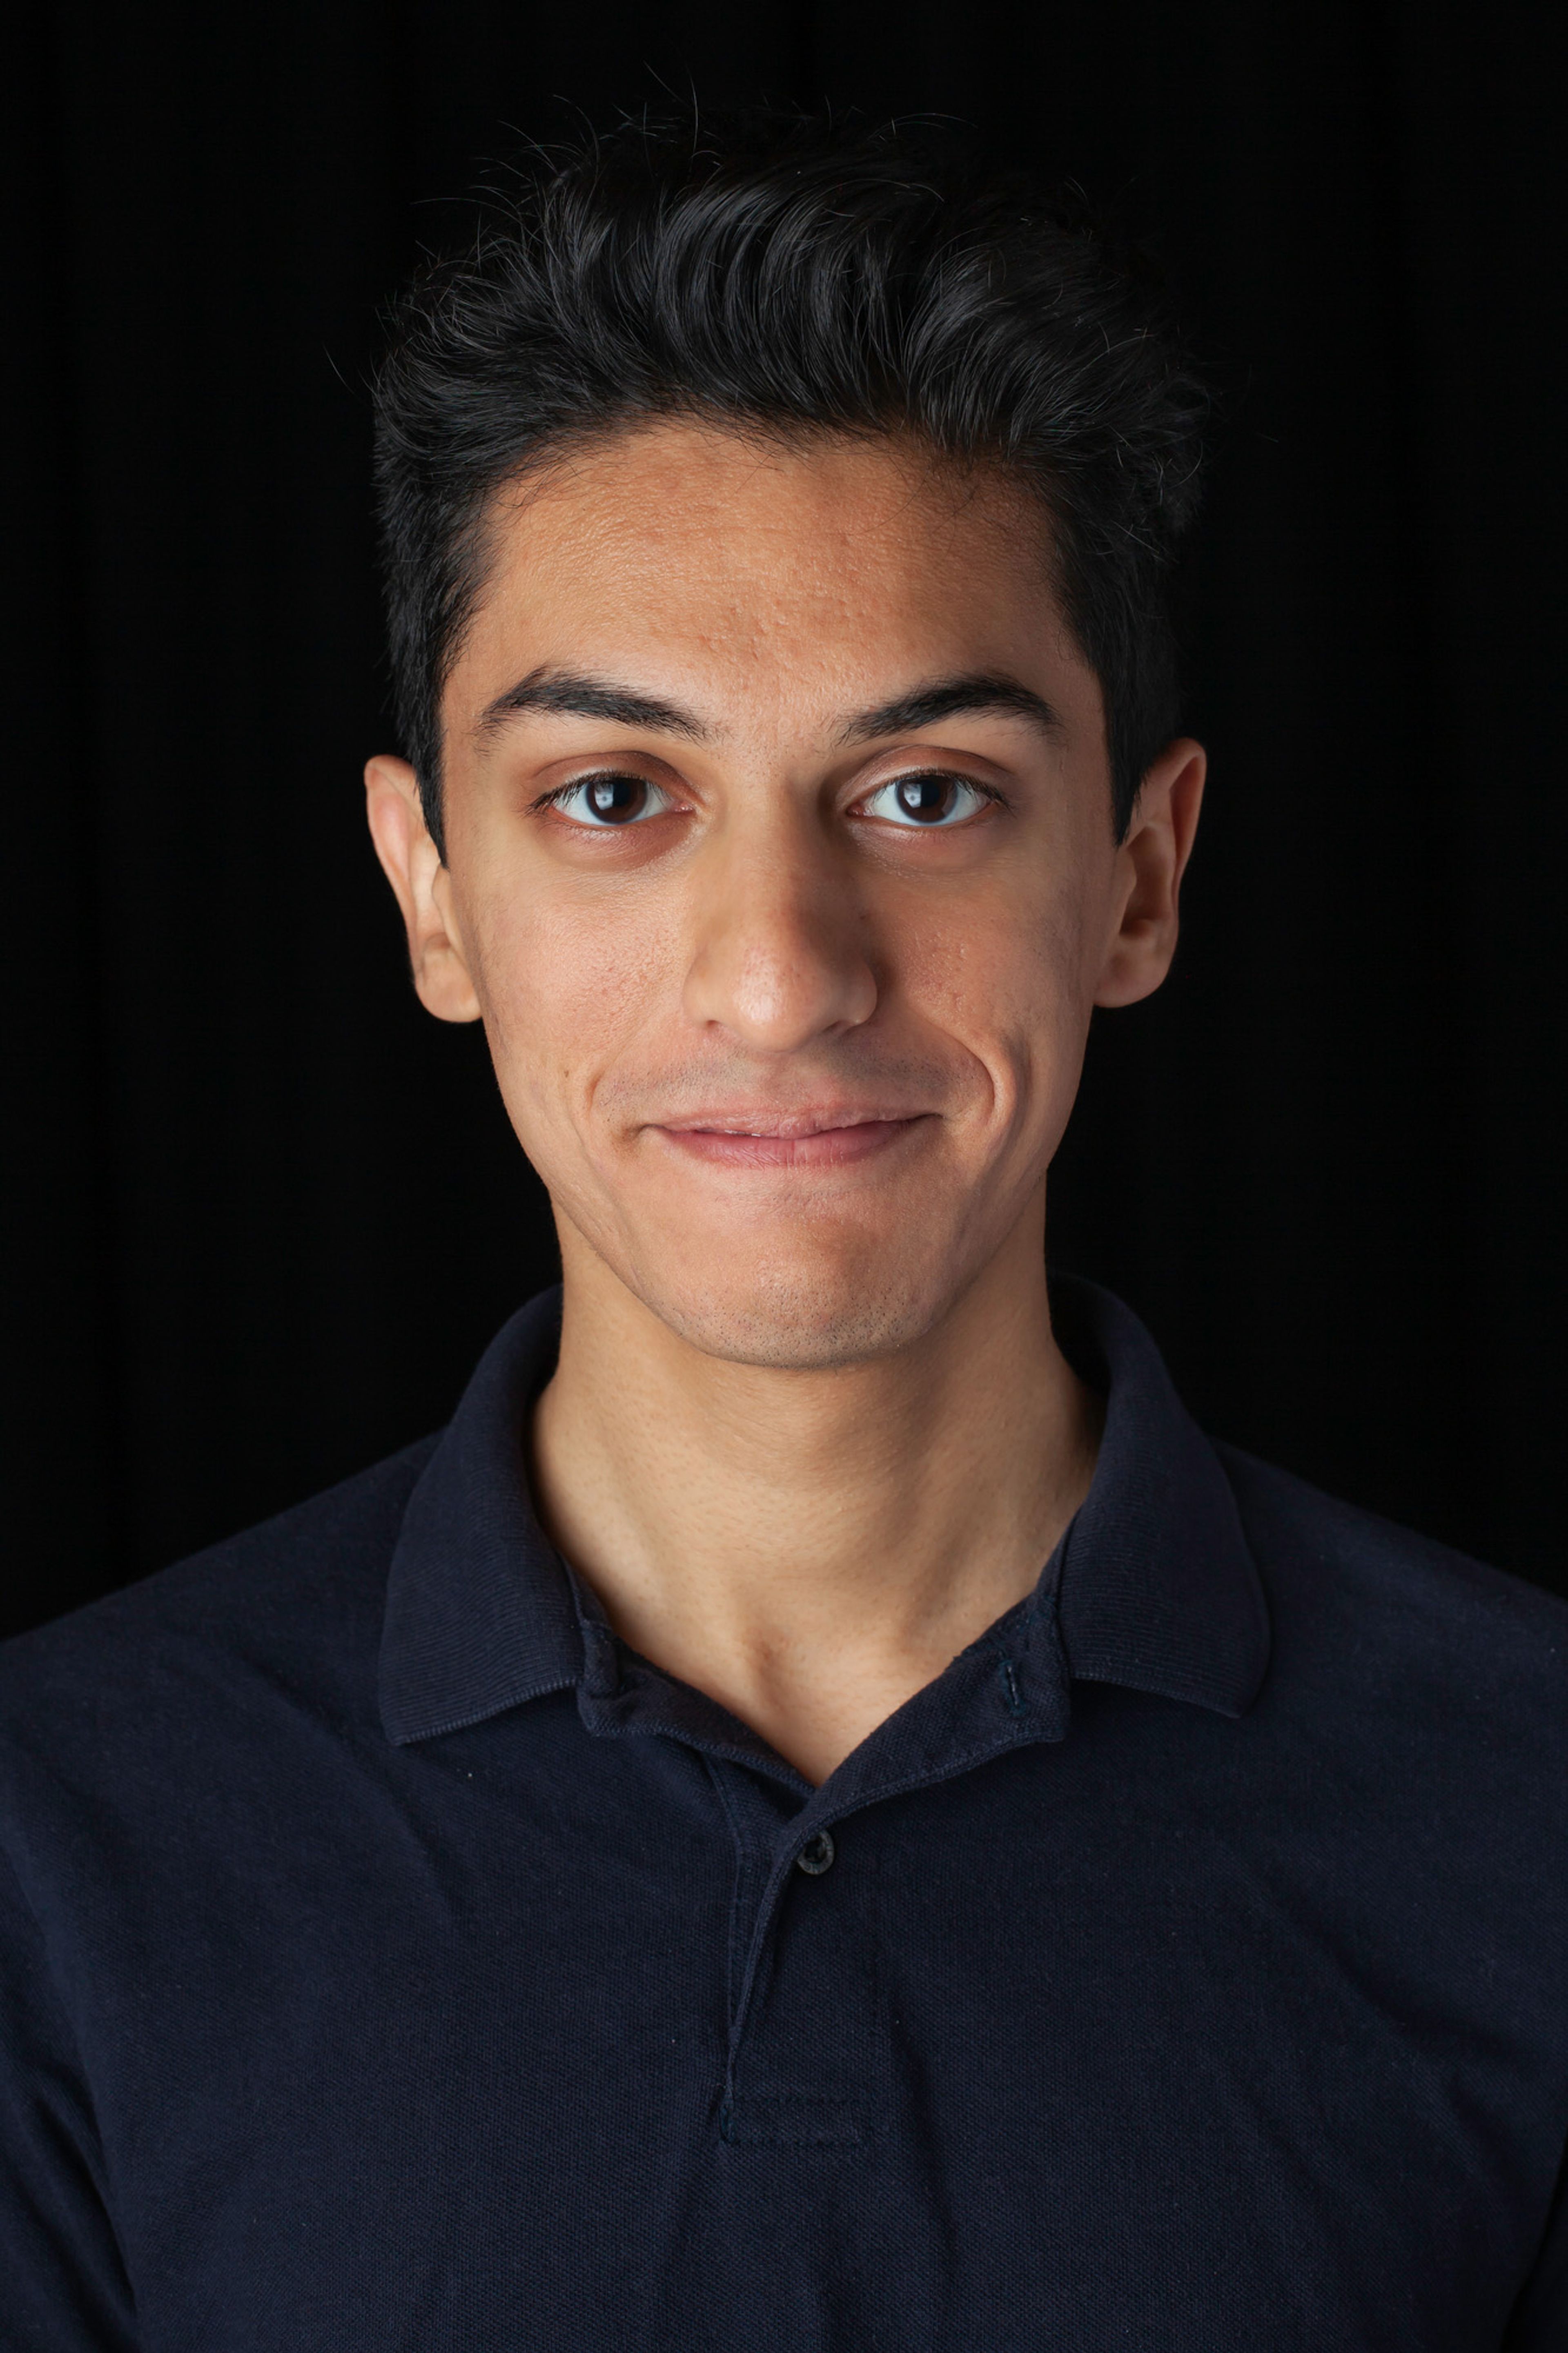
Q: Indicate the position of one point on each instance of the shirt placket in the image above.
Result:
(804, 2066)
(807, 2061)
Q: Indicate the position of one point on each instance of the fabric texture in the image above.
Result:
(391, 1960)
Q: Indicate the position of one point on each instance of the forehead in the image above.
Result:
(703, 549)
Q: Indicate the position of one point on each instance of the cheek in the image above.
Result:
(1009, 982)
(565, 989)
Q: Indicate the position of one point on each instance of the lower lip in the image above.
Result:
(830, 1147)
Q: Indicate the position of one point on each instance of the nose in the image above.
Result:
(780, 956)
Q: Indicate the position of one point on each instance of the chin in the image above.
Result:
(792, 1315)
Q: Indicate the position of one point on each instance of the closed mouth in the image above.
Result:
(800, 1139)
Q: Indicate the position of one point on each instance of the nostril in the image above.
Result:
(778, 1005)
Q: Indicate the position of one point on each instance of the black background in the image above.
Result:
(262, 1214)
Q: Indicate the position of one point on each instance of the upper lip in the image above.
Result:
(785, 1125)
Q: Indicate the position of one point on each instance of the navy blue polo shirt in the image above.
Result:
(394, 1963)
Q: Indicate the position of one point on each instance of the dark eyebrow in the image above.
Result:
(549, 688)
(946, 698)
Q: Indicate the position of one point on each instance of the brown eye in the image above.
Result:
(927, 799)
(610, 800)
(614, 800)
(930, 797)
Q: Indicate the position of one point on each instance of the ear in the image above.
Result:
(1150, 863)
(423, 889)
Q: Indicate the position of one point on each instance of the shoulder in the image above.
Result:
(1403, 1625)
(294, 1602)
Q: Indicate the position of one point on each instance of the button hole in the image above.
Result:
(1015, 1696)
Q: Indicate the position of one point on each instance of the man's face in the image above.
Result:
(780, 866)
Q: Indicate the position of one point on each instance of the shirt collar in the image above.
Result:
(1156, 1588)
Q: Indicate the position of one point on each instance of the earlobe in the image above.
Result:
(422, 887)
(1150, 864)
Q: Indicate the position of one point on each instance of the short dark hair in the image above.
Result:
(787, 275)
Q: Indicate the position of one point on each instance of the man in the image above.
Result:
(820, 1812)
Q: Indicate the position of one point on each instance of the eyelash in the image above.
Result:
(563, 793)
(985, 794)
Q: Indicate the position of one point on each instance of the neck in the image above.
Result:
(811, 1548)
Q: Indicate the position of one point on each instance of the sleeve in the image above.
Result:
(65, 2287)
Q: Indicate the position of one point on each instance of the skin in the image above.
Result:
(792, 1064)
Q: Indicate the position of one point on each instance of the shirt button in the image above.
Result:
(817, 1855)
